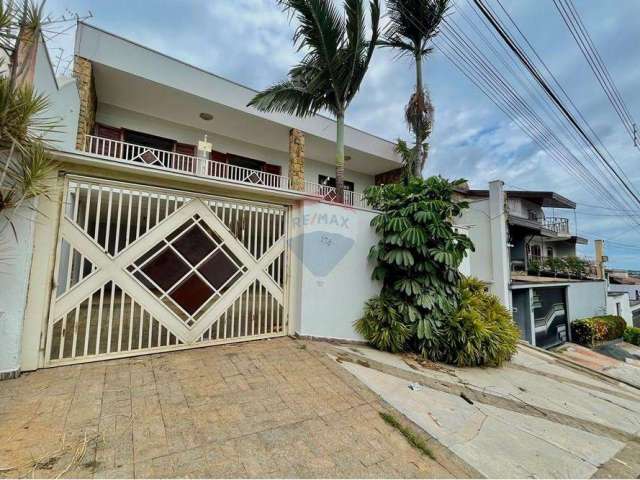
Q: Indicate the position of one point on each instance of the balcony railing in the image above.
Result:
(203, 167)
(557, 224)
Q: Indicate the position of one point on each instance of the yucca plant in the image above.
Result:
(25, 164)
(382, 324)
(481, 332)
(412, 25)
(337, 55)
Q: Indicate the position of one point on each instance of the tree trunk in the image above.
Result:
(340, 159)
(417, 166)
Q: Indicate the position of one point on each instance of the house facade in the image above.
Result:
(528, 259)
(182, 217)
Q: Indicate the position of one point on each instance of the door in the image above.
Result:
(141, 270)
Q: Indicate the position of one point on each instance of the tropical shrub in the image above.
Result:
(482, 331)
(632, 335)
(417, 258)
(589, 331)
(576, 266)
(382, 324)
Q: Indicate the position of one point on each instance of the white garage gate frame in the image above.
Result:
(141, 270)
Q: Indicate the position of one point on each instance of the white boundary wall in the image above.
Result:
(332, 270)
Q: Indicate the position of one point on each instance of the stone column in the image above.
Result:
(83, 72)
(296, 159)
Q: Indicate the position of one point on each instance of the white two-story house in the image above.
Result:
(183, 217)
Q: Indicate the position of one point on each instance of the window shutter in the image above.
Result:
(270, 168)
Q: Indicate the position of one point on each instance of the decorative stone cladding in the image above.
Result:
(392, 176)
(26, 56)
(296, 159)
(83, 72)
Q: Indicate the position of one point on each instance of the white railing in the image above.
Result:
(203, 167)
(557, 224)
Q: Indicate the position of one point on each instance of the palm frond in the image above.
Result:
(286, 97)
(412, 23)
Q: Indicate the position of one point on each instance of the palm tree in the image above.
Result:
(412, 24)
(337, 55)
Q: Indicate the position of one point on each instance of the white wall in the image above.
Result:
(613, 301)
(586, 299)
(330, 249)
(476, 219)
(118, 117)
(630, 289)
(64, 102)
(15, 264)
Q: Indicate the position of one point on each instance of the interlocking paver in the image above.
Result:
(258, 409)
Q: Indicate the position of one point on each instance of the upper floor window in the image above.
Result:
(331, 182)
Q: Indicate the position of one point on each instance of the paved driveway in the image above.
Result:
(279, 408)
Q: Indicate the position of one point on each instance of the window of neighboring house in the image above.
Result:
(550, 252)
(331, 182)
(533, 215)
(535, 250)
(618, 309)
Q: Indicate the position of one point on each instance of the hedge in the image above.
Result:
(632, 335)
(589, 331)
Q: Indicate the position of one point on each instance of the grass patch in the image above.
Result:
(415, 440)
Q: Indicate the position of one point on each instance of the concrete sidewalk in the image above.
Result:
(535, 417)
(620, 360)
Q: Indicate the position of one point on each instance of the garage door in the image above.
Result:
(142, 270)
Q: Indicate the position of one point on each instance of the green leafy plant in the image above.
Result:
(576, 266)
(337, 56)
(555, 265)
(482, 331)
(590, 331)
(417, 258)
(382, 324)
(632, 335)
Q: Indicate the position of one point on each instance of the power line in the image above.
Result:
(552, 95)
(581, 35)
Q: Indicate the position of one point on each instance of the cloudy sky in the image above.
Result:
(249, 41)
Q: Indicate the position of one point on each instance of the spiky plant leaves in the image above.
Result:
(482, 332)
(382, 324)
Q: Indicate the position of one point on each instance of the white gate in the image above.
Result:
(142, 270)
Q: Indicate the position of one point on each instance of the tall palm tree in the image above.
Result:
(412, 24)
(337, 55)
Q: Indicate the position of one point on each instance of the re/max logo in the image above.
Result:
(322, 219)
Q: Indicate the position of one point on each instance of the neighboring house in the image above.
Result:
(517, 247)
(624, 295)
(185, 218)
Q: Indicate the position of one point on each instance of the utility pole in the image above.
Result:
(600, 258)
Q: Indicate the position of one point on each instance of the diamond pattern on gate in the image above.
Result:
(254, 313)
(108, 321)
(189, 270)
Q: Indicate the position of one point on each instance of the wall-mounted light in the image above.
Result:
(206, 116)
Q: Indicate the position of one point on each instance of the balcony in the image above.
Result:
(559, 267)
(206, 168)
(556, 224)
